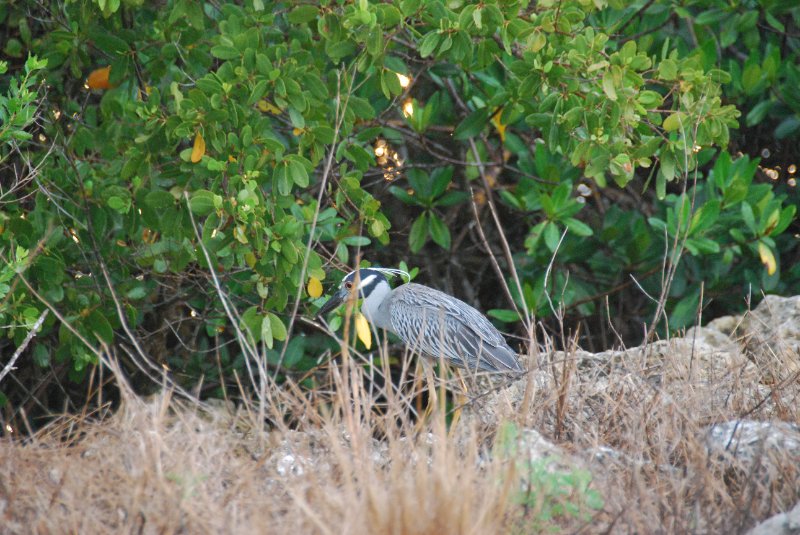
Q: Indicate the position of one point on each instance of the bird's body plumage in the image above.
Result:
(432, 322)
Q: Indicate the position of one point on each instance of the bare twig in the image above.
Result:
(525, 316)
(341, 106)
(10, 365)
(250, 351)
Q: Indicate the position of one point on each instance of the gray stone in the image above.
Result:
(771, 335)
(781, 524)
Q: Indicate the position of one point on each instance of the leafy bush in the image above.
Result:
(266, 135)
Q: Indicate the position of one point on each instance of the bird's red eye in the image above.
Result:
(348, 285)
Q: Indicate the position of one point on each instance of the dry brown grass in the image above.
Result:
(346, 465)
(168, 466)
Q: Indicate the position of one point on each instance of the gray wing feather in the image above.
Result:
(438, 324)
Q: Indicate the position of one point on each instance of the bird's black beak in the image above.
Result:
(336, 299)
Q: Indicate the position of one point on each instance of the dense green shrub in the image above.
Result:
(280, 138)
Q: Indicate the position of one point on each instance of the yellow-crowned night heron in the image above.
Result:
(428, 320)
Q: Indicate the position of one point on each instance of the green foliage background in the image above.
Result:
(635, 130)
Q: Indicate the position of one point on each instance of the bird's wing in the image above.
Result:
(435, 322)
(476, 353)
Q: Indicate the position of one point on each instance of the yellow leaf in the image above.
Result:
(98, 78)
(362, 330)
(767, 258)
(498, 124)
(267, 106)
(240, 234)
(314, 287)
(199, 148)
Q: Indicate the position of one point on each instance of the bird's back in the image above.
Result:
(438, 324)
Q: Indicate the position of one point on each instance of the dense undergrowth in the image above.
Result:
(146, 146)
(181, 179)
(629, 454)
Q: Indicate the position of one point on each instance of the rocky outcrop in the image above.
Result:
(781, 524)
(771, 335)
(715, 401)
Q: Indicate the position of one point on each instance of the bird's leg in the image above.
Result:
(459, 401)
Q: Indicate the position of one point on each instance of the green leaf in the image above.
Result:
(685, 312)
(107, 41)
(788, 126)
(537, 41)
(429, 43)
(711, 16)
(393, 63)
(390, 83)
(361, 107)
(294, 351)
(119, 204)
(375, 43)
(758, 112)
(339, 49)
(137, 292)
(452, 198)
(251, 323)
(265, 331)
(504, 315)
(194, 14)
(751, 78)
(650, 99)
(281, 178)
(440, 179)
(551, 236)
(225, 52)
(419, 233)
(472, 125)
(298, 121)
(298, 173)
(787, 216)
(702, 246)
(388, 15)
(737, 235)
(608, 86)
(772, 21)
(673, 122)
(359, 156)
(439, 231)
(578, 227)
(356, 241)
(403, 195)
(97, 323)
(303, 13)
(41, 356)
(278, 328)
(476, 17)
(668, 69)
(706, 216)
(770, 222)
(748, 217)
(409, 7)
(202, 202)
(159, 200)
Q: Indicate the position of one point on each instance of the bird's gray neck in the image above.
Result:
(376, 306)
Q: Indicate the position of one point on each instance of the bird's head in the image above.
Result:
(361, 283)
